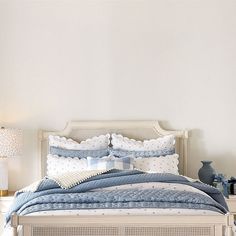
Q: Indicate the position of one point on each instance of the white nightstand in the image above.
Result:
(5, 203)
(231, 201)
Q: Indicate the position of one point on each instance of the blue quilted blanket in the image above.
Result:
(49, 196)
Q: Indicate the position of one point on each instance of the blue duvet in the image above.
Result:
(49, 196)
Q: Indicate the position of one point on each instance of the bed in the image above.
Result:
(135, 222)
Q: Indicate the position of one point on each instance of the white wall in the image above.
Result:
(120, 59)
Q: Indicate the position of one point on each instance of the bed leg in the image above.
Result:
(229, 231)
(230, 226)
(14, 223)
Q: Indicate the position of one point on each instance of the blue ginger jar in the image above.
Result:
(206, 173)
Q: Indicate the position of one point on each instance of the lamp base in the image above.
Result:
(3, 193)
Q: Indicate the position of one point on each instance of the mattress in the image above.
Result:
(118, 212)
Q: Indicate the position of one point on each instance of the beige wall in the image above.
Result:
(170, 60)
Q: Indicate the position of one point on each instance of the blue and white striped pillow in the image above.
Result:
(110, 162)
(125, 153)
(78, 153)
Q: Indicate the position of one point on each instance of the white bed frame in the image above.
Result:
(206, 225)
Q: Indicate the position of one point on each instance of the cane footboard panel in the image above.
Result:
(124, 231)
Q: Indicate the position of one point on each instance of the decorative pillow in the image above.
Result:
(78, 153)
(162, 143)
(110, 162)
(163, 164)
(125, 153)
(58, 165)
(94, 143)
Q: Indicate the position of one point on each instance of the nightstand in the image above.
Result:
(5, 203)
(231, 201)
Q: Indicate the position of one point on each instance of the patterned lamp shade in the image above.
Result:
(10, 145)
(10, 142)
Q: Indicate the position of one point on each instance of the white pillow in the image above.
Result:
(58, 164)
(162, 164)
(94, 143)
(120, 142)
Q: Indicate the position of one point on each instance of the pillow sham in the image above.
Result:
(58, 164)
(78, 153)
(120, 142)
(163, 164)
(110, 162)
(94, 143)
(125, 153)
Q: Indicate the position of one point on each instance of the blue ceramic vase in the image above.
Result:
(206, 173)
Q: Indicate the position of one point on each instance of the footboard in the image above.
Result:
(123, 225)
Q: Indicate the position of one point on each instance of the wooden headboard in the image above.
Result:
(140, 130)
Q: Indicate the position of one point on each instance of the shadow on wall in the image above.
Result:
(197, 152)
(220, 161)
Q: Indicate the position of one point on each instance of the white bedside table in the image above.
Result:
(5, 203)
(231, 201)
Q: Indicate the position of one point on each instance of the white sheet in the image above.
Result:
(137, 211)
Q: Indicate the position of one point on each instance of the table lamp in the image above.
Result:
(10, 146)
